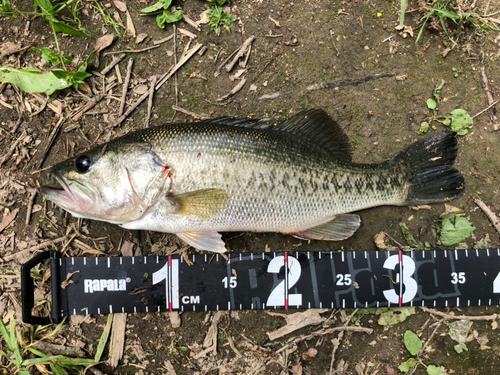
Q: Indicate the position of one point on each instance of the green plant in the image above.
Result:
(217, 17)
(414, 346)
(17, 349)
(108, 19)
(166, 16)
(459, 119)
(442, 10)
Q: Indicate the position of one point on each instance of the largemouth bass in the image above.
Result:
(233, 174)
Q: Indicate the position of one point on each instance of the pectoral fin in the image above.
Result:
(341, 227)
(202, 204)
(210, 241)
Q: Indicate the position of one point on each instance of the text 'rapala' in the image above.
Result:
(101, 285)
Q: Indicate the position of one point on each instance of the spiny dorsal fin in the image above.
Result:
(314, 126)
(202, 204)
(318, 128)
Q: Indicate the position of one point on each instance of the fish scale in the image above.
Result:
(231, 174)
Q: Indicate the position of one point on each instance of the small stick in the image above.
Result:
(175, 75)
(41, 246)
(150, 100)
(191, 22)
(438, 324)
(125, 86)
(113, 63)
(13, 148)
(235, 89)
(161, 41)
(459, 317)
(487, 90)
(484, 110)
(91, 104)
(52, 137)
(192, 114)
(163, 79)
(131, 51)
(241, 52)
(490, 214)
(118, 74)
(30, 206)
(188, 33)
(323, 332)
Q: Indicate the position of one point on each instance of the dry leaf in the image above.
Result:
(68, 280)
(203, 18)
(140, 38)
(120, 5)
(104, 42)
(130, 25)
(7, 219)
(9, 48)
(127, 249)
(296, 321)
(253, 87)
(482, 341)
(310, 354)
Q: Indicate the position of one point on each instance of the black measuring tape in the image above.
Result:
(346, 279)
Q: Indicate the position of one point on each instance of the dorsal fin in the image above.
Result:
(318, 128)
(314, 126)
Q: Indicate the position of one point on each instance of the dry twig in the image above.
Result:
(112, 64)
(125, 86)
(486, 87)
(189, 113)
(490, 214)
(459, 317)
(240, 52)
(150, 99)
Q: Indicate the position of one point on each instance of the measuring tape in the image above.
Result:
(256, 281)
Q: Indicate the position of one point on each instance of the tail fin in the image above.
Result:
(428, 163)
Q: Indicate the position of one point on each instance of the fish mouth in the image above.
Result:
(78, 199)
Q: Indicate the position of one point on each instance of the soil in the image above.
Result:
(297, 45)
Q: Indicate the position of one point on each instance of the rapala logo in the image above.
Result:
(101, 285)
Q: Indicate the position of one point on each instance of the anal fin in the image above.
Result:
(210, 241)
(339, 228)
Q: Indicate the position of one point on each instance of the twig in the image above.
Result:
(161, 41)
(150, 99)
(192, 114)
(188, 33)
(131, 51)
(191, 22)
(164, 79)
(41, 246)
(484, 110)
(241, 52)
(118, 74)
(235, 89)
(490, 214)
(486, 88)
(116, 61)
(459, 317)
(175, 75)
(323, 332)
(438, 324)
(92, 103)
(30, 206)
(51, 139)
(125, 86)
(13, 148)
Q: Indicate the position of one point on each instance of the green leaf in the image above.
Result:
(61, 27)
(54, 58)
(408, 236)
(71, 78)
(83, 67)
(168, 17)
(484, 243)
(162, 4)
(435, 370)
(460, 121)
(424, 127)
(431, 104)
(6, 9)
(392, 316)
(412, 343)
(104, 337)
(32, 80)
(461, 347)
(406, 366)
(455, 229)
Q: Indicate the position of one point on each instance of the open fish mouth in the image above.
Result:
(76, 200)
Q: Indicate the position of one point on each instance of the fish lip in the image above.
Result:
(64, 189)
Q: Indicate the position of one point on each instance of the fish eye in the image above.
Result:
(83, 163)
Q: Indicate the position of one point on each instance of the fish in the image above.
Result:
(238, 174)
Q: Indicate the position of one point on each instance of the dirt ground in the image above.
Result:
(382, 82)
